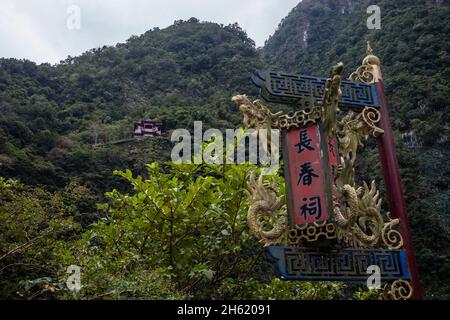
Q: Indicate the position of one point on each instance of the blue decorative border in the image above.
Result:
(349, 264)
(294, 89)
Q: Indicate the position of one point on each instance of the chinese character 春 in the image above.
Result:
(311, 207)
(306, 174)
(305, 142)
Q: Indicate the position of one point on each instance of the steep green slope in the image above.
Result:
(414, 49)
(50, 115)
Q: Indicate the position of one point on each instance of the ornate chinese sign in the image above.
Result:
(329, 228)
(306, 182)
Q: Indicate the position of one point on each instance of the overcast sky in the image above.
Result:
(47, 30)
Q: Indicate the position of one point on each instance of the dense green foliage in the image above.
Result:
(181, 234)
(180, 231)
(32, 223)
(188, 224)
(415, 53)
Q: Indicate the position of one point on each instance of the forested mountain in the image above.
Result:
(56, 123)
(52, 115)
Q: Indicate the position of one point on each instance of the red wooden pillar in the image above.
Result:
(391, 173)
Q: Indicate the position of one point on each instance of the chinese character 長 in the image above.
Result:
(305, 142)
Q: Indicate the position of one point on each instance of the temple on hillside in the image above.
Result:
(147, 128)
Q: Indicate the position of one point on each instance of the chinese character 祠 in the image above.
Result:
(306, 174)
(311, 207)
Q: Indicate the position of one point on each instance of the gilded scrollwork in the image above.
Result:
(371, 117)
(364, 74)
(298, 119)
(311, 232)
(391, 237)
(368, 71)
(397, 290)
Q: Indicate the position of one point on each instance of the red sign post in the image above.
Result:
(394, 188)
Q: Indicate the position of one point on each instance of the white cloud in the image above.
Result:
(36, 29)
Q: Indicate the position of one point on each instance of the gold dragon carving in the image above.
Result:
(330, 107)
(258, 116)
(357, 210)
(265, 202)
